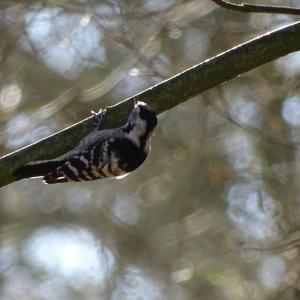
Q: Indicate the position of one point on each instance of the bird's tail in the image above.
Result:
(37, 169)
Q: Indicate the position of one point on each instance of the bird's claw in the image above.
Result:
(98, 118)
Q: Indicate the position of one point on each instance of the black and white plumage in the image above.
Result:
(102, 153)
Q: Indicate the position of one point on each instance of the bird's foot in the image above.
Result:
(98, 118)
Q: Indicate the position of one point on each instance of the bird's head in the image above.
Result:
(143, 117)
(141, 124)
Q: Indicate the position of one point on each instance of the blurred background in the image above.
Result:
(214, 211)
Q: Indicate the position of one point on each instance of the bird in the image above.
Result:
(109, 153)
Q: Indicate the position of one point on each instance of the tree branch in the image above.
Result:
(252, 8)
(166, 94)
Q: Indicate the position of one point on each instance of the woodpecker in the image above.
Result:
(102, 153)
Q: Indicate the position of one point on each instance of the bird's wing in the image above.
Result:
(85, 144)
(76, 158)
(90, 160)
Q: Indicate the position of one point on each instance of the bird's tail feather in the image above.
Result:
(37, 169)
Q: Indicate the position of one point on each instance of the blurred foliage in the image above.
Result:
(214, 211)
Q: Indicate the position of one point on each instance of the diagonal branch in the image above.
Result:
(253, 8)
(166, 94)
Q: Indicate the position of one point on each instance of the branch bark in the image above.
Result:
(166, 94)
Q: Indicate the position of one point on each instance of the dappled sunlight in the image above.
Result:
(196, 44)
(272, 272)
(134, 283)
(66, 42)
(130, 84)
(10, 98)
(18, 137)
(127, 209)
(108, 15)
(289, 65)
(183, 274)
(156, 5)
(70, 258)
(24, 127)
(79, 200)
(245, 112)
(213, 212)
(71, 253)
(8, 255)
(240, 152)
(291, 111)
(242, 104)
(253, 210)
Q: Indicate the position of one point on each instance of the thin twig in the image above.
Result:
(252, 8)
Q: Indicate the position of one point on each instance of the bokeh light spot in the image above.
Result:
(291, 111)
(71, 253)
(10, 98)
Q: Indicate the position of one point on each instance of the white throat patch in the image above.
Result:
(138, 130)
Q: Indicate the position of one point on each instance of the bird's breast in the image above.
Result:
(126, 156)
